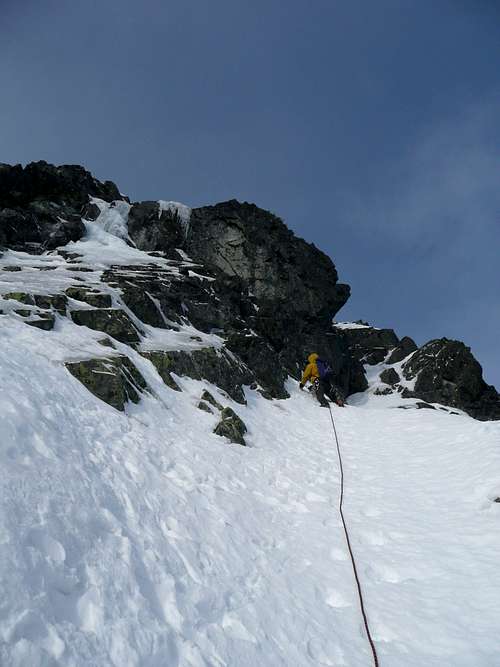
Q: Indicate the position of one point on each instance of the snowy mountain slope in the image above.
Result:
(142, 539)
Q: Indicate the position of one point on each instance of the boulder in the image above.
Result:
(231, 427)
(390, 376)
(446, 372)
(115, 380)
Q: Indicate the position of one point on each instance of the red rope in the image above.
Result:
(360, 594)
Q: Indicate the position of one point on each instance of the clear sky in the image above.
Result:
(371, 127)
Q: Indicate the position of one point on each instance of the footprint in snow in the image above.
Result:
(338, 554)
(328, 654)
(335, 599)
(374, 538)
(384, 573)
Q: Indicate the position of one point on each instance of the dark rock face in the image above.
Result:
(39, 181)
(405, 347)
(447, 373)
(209, 364)
(153, 229)
(45, 322)
(90, 296)
(370, 345)
(245, 241)
(41, 205)
(390, 376)
(113, 321)
(271, 345)
(231, 427)
(115, 381)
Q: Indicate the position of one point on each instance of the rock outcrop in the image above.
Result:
(446, 372)
(256, 299)
(115, 381)
(231, 427)
(370, 345)
(41, 206)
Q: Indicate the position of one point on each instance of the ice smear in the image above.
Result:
(183, 211)
(113, 217)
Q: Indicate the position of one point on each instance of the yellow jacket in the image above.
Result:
(311, 372)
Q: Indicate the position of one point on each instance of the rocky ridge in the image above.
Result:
(222, 293)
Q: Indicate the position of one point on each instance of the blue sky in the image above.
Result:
(372, 128)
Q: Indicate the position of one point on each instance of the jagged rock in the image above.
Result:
(271, 344)
(405, 347)
(370, 345)
(383, 392)
(245, 241)
(23, 312)
(40, 181)
(115, 380)
(231, 427)
(215, 366)
(205, 407)
(447, 373)
(11, 268)
(114, 322)
(90, 296)
(208, 398)
(390, 376)
(41, 205)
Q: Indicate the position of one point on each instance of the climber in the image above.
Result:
(320, 374)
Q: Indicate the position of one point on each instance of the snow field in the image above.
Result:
(145, 540)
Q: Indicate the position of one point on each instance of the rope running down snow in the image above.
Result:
(341, 502)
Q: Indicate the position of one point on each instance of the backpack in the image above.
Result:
(324, 368)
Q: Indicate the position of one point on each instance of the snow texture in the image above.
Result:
(144, 540)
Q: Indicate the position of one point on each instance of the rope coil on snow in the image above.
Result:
(348, 541)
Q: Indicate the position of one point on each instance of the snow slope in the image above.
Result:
(144, 540)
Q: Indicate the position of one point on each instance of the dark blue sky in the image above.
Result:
(372, 128)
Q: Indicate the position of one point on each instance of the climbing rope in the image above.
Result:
(341, 502)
